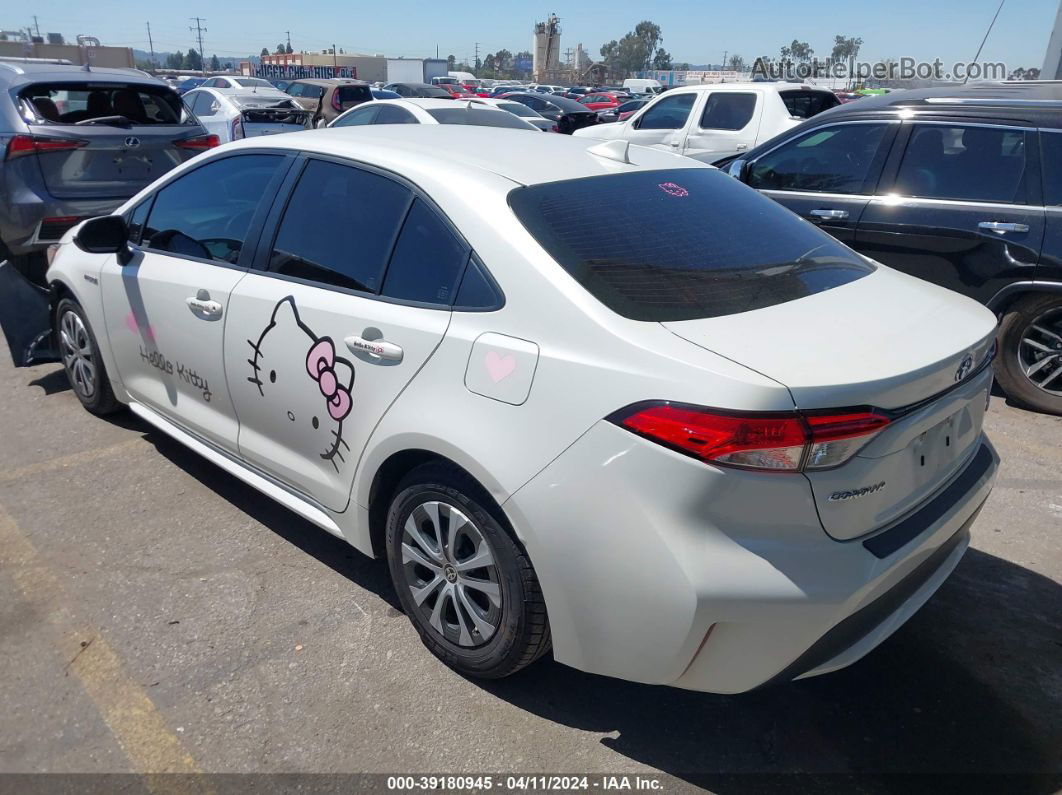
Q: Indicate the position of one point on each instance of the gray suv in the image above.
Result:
(76, 144)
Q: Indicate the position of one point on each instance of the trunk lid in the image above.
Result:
(270, 115)
(114, 162)
(888, 341)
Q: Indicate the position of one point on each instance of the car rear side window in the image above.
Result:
(428, 259)
(339, 226)
(206, 213)
(1051, 158)
(728, 111)
(805, 104)
(838, 159)
(981, 164)
(682, 244)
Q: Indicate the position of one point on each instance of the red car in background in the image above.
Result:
(456, 91)
(596, 102)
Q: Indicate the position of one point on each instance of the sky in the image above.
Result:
(950, 30)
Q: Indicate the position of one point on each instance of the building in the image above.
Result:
(87, 51)
(545, 50)
(325, 63)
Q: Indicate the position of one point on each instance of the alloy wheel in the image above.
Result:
(1040, 351)
(452, 574)
(78, 355)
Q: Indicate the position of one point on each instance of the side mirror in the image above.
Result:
(108, 234)
(738, 169)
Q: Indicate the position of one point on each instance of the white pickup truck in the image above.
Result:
(713, 121)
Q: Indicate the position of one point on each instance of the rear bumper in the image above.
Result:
(660, 569)
(23, 228)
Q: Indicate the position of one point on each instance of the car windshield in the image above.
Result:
(682, 244)
(249, 82)
(113, 104)
(479, 117)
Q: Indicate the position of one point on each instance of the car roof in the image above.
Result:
(1034, 101)
(427, 103)
(18, 73)
(525, 159)
(323, 81)
(751, 86)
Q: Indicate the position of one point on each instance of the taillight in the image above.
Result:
(335, 101)
(237, 128)
(788, 441)
(200, 143)
(20, 145)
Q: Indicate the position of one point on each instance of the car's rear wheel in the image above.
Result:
(464, 582)
(81, 359)
(1030, 353)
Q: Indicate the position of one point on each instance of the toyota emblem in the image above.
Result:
(132, 142)
(964, 368)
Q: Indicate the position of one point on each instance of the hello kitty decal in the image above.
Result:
(309, 383)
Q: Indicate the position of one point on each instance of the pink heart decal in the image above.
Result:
(499, 367)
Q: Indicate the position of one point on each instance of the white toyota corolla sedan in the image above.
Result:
(593, 397)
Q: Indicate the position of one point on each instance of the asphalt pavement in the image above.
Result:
(158, 615)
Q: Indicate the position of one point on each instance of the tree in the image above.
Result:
(193, 60)
(798, 51)
(175, 60)
(490, 65)
(1025, 74)
(736, 63)
(451, 63)
(846, 50)
(215, 64)
(288, 49)
(265, 52)
(281, 49)
(503, 62)
(649, 34)
(662, 60)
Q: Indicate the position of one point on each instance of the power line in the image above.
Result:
(990, 26)
(199, 30)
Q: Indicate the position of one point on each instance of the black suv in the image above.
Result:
(959, 186)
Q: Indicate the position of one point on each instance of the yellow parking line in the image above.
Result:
(131, 716)
(74, 459)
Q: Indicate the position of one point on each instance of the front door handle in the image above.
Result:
(1003, 226)
(380, 349)
(830, 215)
(204, 307)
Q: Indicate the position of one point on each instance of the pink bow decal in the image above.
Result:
(319, 363)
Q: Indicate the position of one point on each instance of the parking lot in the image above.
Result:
(158, 615)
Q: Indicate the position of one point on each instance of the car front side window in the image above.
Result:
(836, 159)
(669, 113)
(207, 212)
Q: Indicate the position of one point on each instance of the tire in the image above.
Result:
(457, 617)
(1030, 324)
(80, 354)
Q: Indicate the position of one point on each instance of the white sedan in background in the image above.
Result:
(430, 111)
(518, 109)
(565, 408)
(232, 114)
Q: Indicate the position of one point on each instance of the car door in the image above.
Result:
(826, 175)
(662, 124)
(961, 206)
(727, 124)
(166, 309)
(349, 299)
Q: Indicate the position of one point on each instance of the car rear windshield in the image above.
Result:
(518, 110)
(434, 91)
(805, 104)
(681, 244)
(253, 81)
(353, 94)
(478, 117)
(119, 104)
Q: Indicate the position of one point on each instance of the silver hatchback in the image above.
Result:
(77, 143)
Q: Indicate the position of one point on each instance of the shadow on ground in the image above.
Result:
(971, 687)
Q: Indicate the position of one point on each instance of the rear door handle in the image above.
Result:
(381, 349)
(1003, 226)
(830, 215)
(209, 310)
